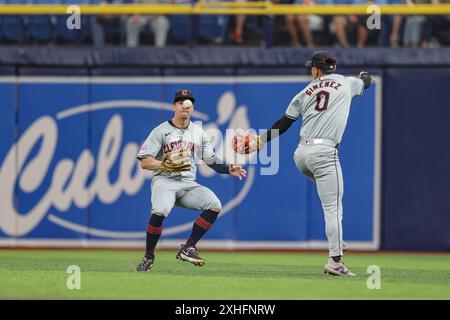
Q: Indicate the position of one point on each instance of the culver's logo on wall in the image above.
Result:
(91, 185)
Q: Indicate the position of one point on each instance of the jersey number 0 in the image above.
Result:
(324, 101)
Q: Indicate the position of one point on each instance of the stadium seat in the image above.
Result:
(179, 27)
(41, 26)
(207, 27)
(211, 26)
(13, 26)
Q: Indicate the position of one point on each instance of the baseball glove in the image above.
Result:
(247, 143)
(176, 161)
(366, 78)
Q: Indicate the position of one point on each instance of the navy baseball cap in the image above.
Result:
(183, 94)
(322, 60)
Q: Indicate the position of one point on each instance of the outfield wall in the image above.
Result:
(76, 177)
(393, 199)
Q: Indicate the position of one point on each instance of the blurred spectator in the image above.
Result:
(237, 34)
(302, 21)
(361, 24)
(391, 24)
(395, 22)
(221, 22)
(101, 24)
(436, 29)
(246, 24)
(339, 23)
(159, 25)
(413, 27)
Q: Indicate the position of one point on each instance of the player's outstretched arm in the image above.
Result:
(278, 128)
(150, 163)
(214, 162)
(250, 143)
(235, 170)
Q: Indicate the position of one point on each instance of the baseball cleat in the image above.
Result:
(190, 254)
(145, 265)
(337, 269)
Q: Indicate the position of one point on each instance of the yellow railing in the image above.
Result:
(246, 8)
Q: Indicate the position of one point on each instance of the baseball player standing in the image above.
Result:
(173, 150)
(324, 105)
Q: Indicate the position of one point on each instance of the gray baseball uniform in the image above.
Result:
(179, 188)
(324, 106)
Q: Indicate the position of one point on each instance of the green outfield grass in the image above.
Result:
(41, 274)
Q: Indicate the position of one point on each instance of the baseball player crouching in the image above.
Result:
(173, 150)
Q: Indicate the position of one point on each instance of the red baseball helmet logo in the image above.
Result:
(184, 92)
